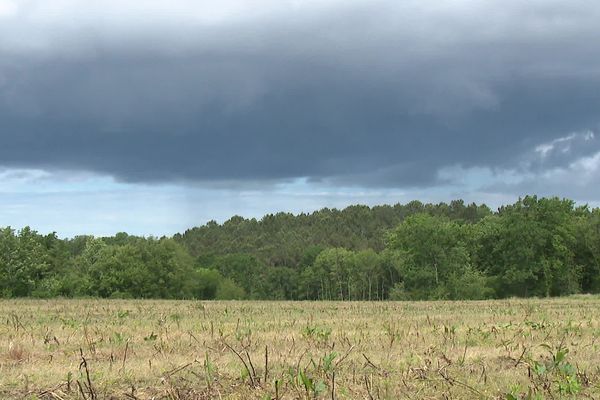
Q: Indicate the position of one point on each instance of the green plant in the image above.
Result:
(318, 333)
(313, 388)
(552, 375)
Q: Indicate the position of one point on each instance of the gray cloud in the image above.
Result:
(353, 93)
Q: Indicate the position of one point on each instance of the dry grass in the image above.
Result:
(100, 349)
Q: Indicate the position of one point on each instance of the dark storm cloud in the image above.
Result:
(370, 93)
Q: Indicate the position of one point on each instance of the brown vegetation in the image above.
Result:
(142, 349)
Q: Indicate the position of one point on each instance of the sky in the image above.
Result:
(155, 116)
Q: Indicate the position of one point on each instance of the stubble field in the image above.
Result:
(146, 349)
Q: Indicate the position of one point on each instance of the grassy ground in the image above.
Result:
(98, 349)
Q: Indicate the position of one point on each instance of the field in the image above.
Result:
(130, 349)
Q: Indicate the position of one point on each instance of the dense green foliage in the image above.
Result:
(535, 247)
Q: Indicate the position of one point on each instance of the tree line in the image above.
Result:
(534, 247)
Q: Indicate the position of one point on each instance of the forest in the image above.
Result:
(536, 247)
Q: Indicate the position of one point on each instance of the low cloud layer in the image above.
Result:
(365, 93)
